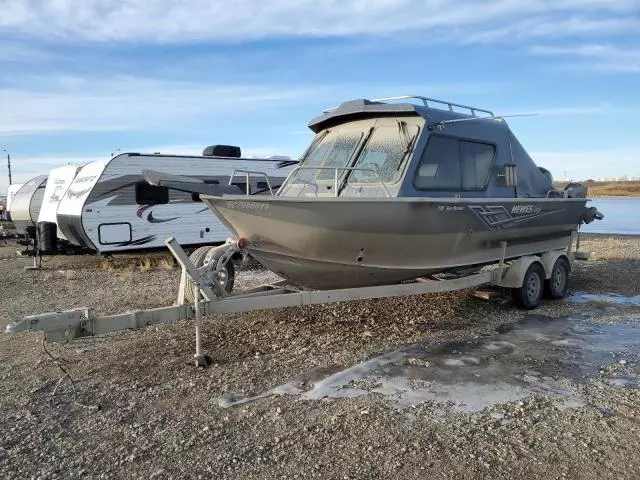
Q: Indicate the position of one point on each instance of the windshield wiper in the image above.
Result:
(410, 141)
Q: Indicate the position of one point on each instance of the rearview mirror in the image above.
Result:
(508, 177)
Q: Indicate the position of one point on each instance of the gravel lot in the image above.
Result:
(143, 411)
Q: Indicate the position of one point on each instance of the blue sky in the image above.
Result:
(80, 79)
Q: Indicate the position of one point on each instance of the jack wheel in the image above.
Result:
(224, 280)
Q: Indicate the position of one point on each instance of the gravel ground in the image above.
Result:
(143, 411)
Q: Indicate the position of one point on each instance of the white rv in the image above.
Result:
(11, 192)
(57, 184)
(26, 203)
(110, 208)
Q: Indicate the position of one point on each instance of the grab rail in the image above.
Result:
(247, 174)
(335, 177)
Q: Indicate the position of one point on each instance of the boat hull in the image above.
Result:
(341, 243)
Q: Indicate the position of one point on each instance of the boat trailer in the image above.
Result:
(66, 325)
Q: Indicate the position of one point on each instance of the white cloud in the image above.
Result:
(195, 20)
(552, 27)
(124, 103)
(607, 58)
(129, 103)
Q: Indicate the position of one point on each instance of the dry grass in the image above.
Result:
(143, 263)
(629, 188)
(611, 248)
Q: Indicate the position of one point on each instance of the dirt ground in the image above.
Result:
(489, 391)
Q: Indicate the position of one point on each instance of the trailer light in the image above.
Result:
(243, 243)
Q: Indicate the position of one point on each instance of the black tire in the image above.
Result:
(557, 285)
(224, 285)
(530, 293)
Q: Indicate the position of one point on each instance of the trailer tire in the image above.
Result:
(558, 283)
(530, 293)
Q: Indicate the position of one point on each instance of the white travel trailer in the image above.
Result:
(11, 192)
(57, 184)
(110, 208)
(26, 203)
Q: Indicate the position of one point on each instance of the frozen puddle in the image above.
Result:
(535, 356)
(610, 298)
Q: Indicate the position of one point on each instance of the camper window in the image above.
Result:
(150, 194)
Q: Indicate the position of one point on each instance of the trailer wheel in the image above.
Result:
(530, 293)
(223, 284)
(558, 284)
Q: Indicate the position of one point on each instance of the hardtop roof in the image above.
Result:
(358, 109)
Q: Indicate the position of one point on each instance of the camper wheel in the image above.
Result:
(530, 293)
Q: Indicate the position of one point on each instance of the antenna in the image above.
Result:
(495, 117)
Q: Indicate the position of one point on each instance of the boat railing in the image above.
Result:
(425, 101)
(247, 174)
(373, 169)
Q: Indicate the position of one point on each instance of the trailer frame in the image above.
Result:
(66, 325)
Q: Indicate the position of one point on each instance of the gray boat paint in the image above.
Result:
(342, 242)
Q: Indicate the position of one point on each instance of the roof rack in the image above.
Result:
(425, 101)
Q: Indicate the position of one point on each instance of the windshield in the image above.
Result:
(384, 154)
(331, 150)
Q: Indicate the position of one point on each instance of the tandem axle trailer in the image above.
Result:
(527, 276)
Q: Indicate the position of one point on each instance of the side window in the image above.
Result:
(475, 162)
(439, 166)
(150, 194)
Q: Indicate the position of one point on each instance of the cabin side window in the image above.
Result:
(475, 164)
(454, 164)
(439, 166)
(150, 194)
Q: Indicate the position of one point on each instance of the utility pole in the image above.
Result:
(8, 165)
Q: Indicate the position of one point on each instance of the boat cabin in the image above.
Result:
(380, 148)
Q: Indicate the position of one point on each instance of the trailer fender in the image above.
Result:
(548, 260)
(515, 272)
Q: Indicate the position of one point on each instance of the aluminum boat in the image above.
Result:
(397, 188)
